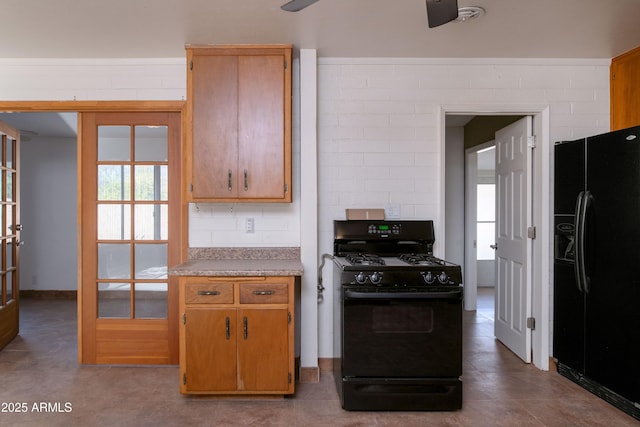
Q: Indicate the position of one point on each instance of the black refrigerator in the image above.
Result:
(596, 313)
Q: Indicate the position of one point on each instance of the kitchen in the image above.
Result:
(377, 134)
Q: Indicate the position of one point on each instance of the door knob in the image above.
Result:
(494, 247)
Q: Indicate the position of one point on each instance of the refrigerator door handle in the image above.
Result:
(577, 238)
(580, 265)
(586, 204)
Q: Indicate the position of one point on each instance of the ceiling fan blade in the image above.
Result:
(441, 11)
(297, 5)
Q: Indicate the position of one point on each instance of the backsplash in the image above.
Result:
(224, 225)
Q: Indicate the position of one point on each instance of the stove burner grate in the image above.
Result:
(420, 259)
(365, 259)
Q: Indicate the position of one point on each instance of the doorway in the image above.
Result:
(540, 294)
(24, 109)
(48, 184)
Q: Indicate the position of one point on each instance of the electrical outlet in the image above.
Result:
(249, 225)
(392, 211)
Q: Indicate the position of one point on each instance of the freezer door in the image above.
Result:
(612, 257)
(569, 175)
(568, 315)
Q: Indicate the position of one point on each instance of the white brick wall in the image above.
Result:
(378, 125)
(379, 133)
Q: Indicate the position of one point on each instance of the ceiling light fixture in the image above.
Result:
(469, 12)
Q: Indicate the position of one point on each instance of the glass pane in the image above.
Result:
(9, 256)
(9, 152)
(114, 222)
(114, 143)
(151, 261)
(151, 144)
(10, 285)
(151, 300)
(10, 180)
(151, 222)
(114, 182)
(113, 260)
(486, 237)
(114, 300)
(9, 213)
(486, 202)
(151, 182)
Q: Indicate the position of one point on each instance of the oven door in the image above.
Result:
(395, 335)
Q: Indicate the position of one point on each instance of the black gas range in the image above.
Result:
(397, 318)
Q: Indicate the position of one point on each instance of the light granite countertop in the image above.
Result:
(240, 262)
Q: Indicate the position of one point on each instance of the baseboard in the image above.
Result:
(39, 294)
(311, 374)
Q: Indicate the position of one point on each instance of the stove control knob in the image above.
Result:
(361, 278)
(376, 278)
(443, 278)
(428, 277)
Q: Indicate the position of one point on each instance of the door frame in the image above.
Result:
(542, 195)
(105, 106)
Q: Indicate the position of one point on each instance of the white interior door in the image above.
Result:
(513, 247)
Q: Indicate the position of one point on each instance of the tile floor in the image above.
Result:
(40, 366)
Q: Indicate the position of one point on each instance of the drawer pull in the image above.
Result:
(227, 324)
(267, 292)
(208, 293)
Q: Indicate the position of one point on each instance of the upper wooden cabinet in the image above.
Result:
(625, 90)
(239, 123)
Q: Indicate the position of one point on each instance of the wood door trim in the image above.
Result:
(91, 106)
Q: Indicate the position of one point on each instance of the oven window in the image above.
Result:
(402, 319)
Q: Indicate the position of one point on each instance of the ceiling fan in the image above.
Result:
(438, 11)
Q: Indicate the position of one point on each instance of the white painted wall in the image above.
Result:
(379, 131)
(48, 189)
(454, 194)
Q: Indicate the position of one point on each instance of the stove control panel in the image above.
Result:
(383, 230)
(394, 278)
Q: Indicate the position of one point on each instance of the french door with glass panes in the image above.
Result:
(9, 234)
(130, 235)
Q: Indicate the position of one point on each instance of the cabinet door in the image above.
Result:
(214, 99)
(263, 349)
(625, 91)
(261, 115)
(210, 341)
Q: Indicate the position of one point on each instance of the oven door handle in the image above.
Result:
(453, 294)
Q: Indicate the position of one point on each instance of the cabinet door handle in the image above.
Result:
(227, 325)
(229, 180)
(265, 292)
(245, 327)
(208, 293)
(246, 180)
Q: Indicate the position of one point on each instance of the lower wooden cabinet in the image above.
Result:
(237, 335)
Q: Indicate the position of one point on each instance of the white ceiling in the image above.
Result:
(337, 28)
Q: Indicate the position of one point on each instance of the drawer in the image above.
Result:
(208, 293)
(264, 293)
